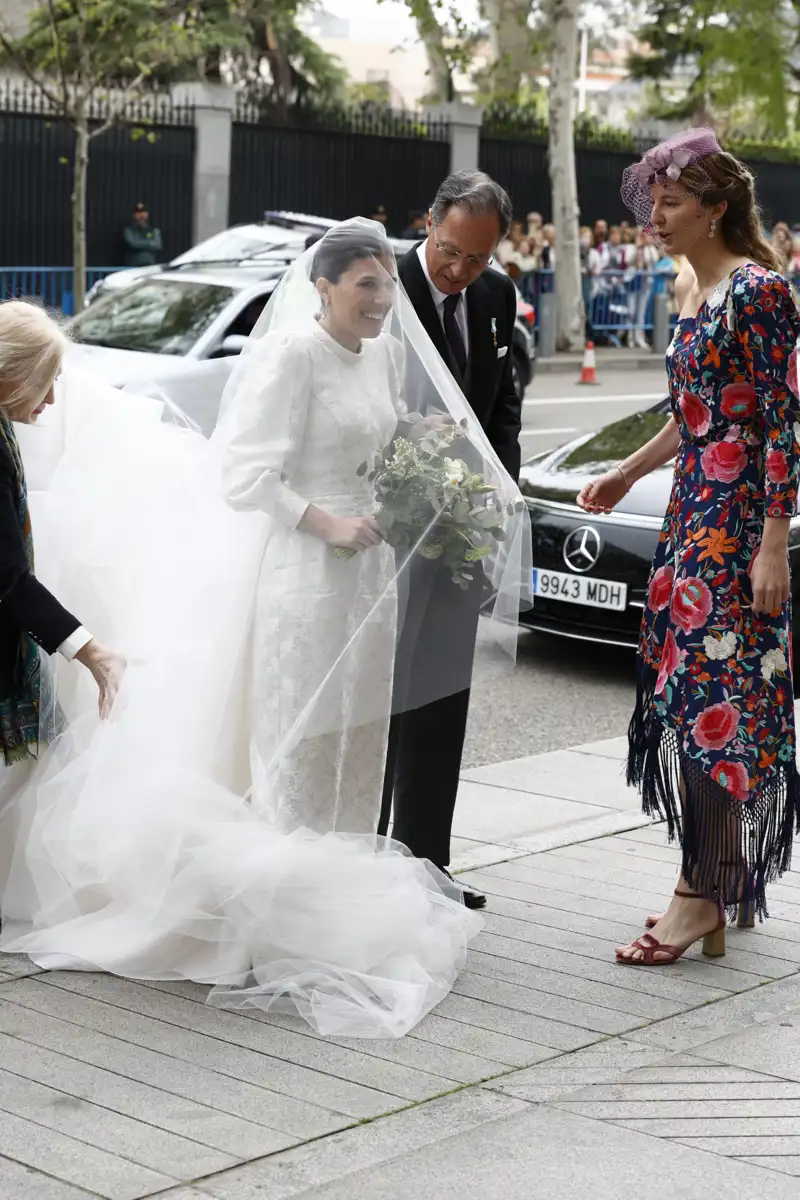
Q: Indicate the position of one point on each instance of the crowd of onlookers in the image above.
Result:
(786, 243)
(622, 267)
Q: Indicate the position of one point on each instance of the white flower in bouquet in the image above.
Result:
(436, 506)
(455, 469)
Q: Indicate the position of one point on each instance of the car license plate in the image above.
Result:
(578, 589)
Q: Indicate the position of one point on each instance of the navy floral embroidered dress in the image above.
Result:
(714, 716)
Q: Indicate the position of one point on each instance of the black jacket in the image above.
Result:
(25, 605)
(489, 383)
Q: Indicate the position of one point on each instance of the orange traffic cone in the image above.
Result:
(589, 368)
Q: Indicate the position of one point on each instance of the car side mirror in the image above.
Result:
(234, 343)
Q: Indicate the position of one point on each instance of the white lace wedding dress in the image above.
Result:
(139, 851)
(298, 436)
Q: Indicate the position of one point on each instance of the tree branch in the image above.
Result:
(20, 61)
(51, 12)
(117, 110)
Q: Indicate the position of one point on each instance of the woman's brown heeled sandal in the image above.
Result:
(746, 914)
(713, 943)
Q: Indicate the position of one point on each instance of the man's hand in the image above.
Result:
(421, 429)
(107, 669)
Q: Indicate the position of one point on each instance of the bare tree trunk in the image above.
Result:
(432, 37)
(509, 42)
(79, 175)
(570, 315)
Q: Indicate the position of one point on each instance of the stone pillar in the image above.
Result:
(546, 316)
(661, 330)
(465, 122)
(214, 107)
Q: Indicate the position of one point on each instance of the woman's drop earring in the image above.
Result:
(712, 230)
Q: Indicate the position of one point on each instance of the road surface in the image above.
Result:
(560, 692)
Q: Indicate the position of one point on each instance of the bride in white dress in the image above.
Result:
(219, 827)
(316, 399)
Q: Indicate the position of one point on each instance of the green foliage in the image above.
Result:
(73, 47)
(297, 67)
(442, 19)
(527, 122)
(733, 69)
(449, 43)
(80, 45)
(785, 150)
(435, 506)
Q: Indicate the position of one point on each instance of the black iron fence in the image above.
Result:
(335, 164)
(147, 156)
(521, 166)
(330, 162)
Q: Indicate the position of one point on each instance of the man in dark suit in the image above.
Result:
(469, 313)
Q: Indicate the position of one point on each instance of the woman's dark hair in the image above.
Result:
(718, 177)
(342, 247)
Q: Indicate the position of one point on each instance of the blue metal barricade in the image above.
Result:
(50, 286)
(618, 304)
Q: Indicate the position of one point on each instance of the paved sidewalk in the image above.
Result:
(533, 804)
(549, 1069)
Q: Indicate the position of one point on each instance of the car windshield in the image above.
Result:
(231, 245)
(157, 316)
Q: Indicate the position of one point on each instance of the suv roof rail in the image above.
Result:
(256, 257)
(290, 219)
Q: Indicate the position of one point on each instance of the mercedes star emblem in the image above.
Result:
(582, 548)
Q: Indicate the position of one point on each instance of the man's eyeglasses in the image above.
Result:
(453, 253)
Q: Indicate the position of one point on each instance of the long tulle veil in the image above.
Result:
(143, 844)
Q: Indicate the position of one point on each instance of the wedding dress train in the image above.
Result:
(141, 852)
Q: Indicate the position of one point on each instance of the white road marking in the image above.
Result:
(545, 432)
(615, 398)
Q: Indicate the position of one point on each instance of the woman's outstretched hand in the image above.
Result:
(602, 494)
(107, 669)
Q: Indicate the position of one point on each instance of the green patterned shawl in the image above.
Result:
(19, 711)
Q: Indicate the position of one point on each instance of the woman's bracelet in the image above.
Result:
(624, 478)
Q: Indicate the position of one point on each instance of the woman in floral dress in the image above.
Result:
(712, 740)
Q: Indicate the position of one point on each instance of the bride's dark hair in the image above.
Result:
(342, 247)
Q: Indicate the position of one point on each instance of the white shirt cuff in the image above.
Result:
(75, 643)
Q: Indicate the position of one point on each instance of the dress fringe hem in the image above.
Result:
(731, 849)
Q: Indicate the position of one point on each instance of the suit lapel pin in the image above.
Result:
(494, 332)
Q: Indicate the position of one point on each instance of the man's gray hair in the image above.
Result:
(477, 194)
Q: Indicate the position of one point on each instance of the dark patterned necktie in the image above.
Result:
(453, 333)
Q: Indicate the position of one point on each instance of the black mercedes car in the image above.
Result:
(591, 572)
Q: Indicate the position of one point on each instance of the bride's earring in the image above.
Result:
(323, 309)
(712, 229)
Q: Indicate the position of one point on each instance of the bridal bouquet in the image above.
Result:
(428, 501)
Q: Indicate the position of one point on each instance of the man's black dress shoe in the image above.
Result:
(472, 898)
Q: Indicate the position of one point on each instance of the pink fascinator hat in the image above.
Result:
(664, 162)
